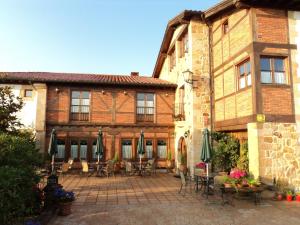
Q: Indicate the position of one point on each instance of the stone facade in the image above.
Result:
(276, 153)
(196, 101)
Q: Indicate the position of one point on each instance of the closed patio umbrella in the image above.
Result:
(52, 149)
(140, 148)
(206, 154)
(99, 145)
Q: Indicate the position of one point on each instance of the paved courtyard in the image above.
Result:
(154, 200)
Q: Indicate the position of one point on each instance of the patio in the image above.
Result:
(155, 200)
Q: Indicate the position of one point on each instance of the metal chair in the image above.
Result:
(150, 167)
(86, 169)
(109, 168)
(185, 181)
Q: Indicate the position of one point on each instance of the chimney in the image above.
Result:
(134, 74)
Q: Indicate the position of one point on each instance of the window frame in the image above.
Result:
(132, 149)
(272, 69)
(81, 114)
(184, 44)
(172, 58)
(246, 74)
(65, 149)
(144, 115)
(166, 141)
(27, 90)
(225, 27)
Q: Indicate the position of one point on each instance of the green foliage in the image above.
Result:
(243, 162)
(226, 151)
(169, 156)
(9, 106)
(18, 160)
(116, 157)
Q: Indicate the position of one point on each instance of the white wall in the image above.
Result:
(27, 115)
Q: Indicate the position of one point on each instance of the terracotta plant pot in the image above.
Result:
(227, 185)
(279, 197)
(65, 208)
(298, 198)
(289, 198)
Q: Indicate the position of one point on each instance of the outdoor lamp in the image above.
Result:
(188, 76)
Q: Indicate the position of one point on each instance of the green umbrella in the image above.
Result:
(52, 149)
(140, 148)
(99, 145)
(206, 149)
(206, 154)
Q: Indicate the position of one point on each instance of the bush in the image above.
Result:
(226, 152)
(18, 160)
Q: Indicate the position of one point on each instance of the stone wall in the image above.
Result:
(274, 152)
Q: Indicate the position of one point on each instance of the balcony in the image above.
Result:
(179, 114)
(145, 114)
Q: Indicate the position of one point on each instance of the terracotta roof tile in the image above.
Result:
(47, 77)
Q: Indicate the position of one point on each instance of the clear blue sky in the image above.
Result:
(86, 36)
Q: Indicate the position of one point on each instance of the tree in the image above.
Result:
(9, 106)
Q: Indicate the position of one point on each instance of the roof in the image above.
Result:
(120, 80)
(182, 18)
(225, 5)
(212, 13)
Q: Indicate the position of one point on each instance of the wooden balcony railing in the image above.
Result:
(145, 114)
(79, 116)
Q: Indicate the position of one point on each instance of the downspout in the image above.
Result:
(211, 82)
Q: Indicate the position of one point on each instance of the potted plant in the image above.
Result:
(253, 182)
(169, 160)
(228, 182)
(289, 195)
(183, 166)
(64, 200)
(117, 166)
(298, 196)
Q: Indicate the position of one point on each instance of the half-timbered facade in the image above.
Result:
(78, 105)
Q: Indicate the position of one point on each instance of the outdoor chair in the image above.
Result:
(70, 162)
(130, 169)
(185, 182)
(86, 169)
(108, 170)
(150, 167)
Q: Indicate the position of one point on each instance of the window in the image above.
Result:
(74, 149)
(60, 149)
(272, 70)
(80, 105)
(172, 59)
(184, 45)
(149, 149)
(28, 93)
(94, 155)
(126, 149)
(161, 149)
(83, 150)
(244, 74)
(145, 107)
(225, 27)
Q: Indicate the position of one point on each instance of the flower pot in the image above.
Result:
(227, 185)
(289, 198)
(298, 198)
(65, 208)
(279, 197)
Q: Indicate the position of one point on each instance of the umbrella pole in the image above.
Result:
(207, 181)
(140, 163)
(52, 163)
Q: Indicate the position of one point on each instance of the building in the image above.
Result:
(185, 48)
(33, 114)
(78, 105)
(248, 49)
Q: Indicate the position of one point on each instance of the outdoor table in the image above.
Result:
(254, 192)
(99, 168)
(204, 181)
